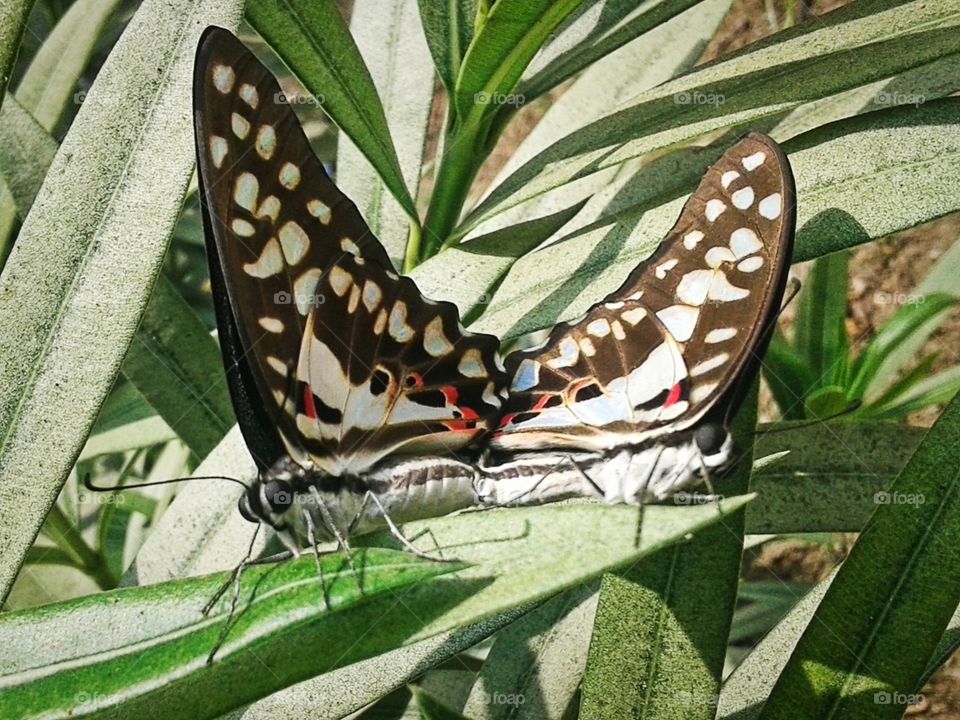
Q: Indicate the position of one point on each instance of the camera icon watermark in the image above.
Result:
(688, 498)
(697, 97)
(301, 300)
(898, 298)
(498, 98)
(889, 98)
(897, 698)
(898, 498)
(281, 98)
(499, 698)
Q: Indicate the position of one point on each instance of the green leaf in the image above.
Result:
(448, 26)
(903, 384)
(533, 670)
(133, 666)
(769, 602)
(821, 336)
(897, 329)
(660, 634)
(64, 313)
(511, 34)
(516, 557)
(26, 152)
(124, 405)
(829, 480)
(849, 179)
(49, 84)
(853, 46)
(825, 402)
(13, 20)
(391, 41)
(178, 368)
(432, 709)
(312, 39)
(587, 37)
(939, 388)
(905, 589)
(788, 376)
(131, 436)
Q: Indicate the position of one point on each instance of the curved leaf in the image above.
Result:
(449, 27)
(312, 39)
(73, 305)
(13, 20)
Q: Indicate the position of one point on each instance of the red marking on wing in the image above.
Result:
(308, 403)
(673, 396)
(467, 415)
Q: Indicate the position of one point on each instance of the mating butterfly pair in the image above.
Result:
(364, 403)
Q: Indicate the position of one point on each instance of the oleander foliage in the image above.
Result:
(108, 366)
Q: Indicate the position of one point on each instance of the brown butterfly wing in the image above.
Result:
(685, 329)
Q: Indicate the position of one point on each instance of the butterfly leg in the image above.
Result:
(409, 546)
(641, 498)
(335, 531)
(312, 538)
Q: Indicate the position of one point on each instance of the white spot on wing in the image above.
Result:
(223, 78)
(569, 353)
(371, 295)
(397, 323)
(271, 324)
(722, 291)
(294, 242)
(242, 228)
(270, 207)
(691, 239)
(490, 397)
(693, 287)
(714, 208)
(716, 256)
(319, 210)
(340, 280)
(348, 245)
(702, 392)
(277, 364)
(710, 364)
(381, 322)
(770, 206)
(248, 93)
(268, 264)
(634, 315)
(266, 141)
(305, 288)
(240, 125)
(679, 320)
(434, 340)
(527, 375)
(289, 175)
(720, 335)
(743, 198)
(662, 269)
(752, 162)
(743, 242)
(617, 328)
(586, 346)
(471, 364)
(218, 150)
(245, 190)
(728, 177)
(599, 327)
(751, 264)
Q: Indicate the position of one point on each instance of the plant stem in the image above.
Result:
(464, 151)
(67, 537)
(412, 253)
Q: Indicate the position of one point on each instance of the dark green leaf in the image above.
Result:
(448, 25)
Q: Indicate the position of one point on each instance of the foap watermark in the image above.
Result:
(107, 498)
(688, 498)
(84, 698)
(898, 298)
(897, 698)
(697, 97)
(281, 98)
(885, 497)
(500, 698)
(498, 98)
(283, 297)
(893, 97)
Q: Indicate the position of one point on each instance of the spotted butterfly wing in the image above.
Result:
(332, 358)
(682, 334)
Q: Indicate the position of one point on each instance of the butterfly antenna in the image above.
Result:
(88, 483)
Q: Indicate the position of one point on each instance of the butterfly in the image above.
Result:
(364, 403)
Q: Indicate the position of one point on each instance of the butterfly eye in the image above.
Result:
(710, 438)
(278, 494)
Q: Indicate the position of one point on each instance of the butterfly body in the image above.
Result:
(364, 403)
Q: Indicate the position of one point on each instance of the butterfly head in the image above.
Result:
(716, 447)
